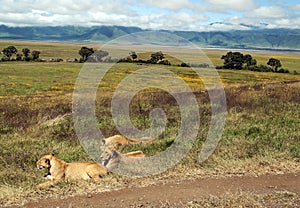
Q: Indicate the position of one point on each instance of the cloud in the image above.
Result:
(184, 21)
(173, 5)
(219, 26)
(66, 12)
(238, 5)
(295, 8)
(168, 5)
(267, 12)
(285, 23)
(173, 21)
(150, 14)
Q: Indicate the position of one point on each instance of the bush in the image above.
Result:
(202, 65)
(4, 59)
(164, 62)
(125, 60)
(282, 70)
(81, 60)
(261, 68)
(27, 58)
(184, 65)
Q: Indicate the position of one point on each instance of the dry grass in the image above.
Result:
(259, 138)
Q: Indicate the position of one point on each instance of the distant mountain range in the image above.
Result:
(251, 38)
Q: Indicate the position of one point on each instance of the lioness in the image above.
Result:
(60, 170)
(116, 140)
(111, 157)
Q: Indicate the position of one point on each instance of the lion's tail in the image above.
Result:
(138, 153)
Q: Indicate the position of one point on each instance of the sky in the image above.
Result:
(184, 15)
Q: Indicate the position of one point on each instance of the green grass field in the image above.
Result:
(261, 134)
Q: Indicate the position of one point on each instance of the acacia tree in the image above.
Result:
(9, 51)
(236, 60)
(155, 57)
(35, 55)
(26, 52)
(249, 61)
(133, 55)
(85, 52)
(19, 57)
(233, 60)
(274, 63)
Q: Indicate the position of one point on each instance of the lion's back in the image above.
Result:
(84, 170)
(116, 140)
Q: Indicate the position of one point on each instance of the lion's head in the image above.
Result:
(44, 162)
(108, 154)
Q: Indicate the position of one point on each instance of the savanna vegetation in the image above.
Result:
(232, 60)
(261, 134)
(238, 61)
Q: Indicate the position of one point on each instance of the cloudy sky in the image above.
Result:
(197, 15)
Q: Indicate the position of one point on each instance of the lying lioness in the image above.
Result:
(60, 170)
(111, 157)
(116, 140)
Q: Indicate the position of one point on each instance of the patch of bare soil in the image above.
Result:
(182, 192)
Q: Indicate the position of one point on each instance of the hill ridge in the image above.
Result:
(252, 38)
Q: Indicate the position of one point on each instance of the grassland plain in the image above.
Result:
(261, 133)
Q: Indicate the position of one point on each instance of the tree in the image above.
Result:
(233, 60)
(9, 51)
(155, 57)
(19, 57)
(249, 61)
(35, 55)
(133, 55)
(274, 63)
(26, 52)
(85, 52)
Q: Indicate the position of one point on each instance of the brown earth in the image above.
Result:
(179, 192)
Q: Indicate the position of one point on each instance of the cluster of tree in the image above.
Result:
(232, 60)
(155, 58)
(90, 55)
(11, 54)
(236, 60)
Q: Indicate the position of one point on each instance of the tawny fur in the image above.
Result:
(117, 140)
(60, 170)
(138, 153)
(111, 157)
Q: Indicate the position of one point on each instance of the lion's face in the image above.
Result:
(106, 155)
(44, 162)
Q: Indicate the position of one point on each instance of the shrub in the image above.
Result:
(184, 65)
(27, 58)
(261, 68)
(164, 62)
(81, 60)
(282, 70)
(125, 60)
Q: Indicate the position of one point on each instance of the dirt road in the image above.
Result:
(182, 191)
